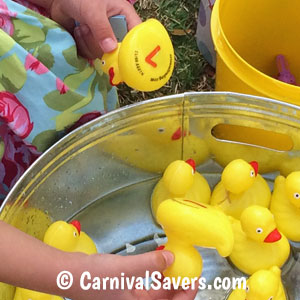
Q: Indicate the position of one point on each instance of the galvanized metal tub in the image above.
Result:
(104, 172)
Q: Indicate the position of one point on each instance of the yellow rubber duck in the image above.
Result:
(165, 129)
(6, 291)
(188, 224)
(285, 205)
(181, 180)
(153, 145)
(257, 242)
(30, 220)
(69, 237)
(291, 160)
(23, 294)
(262, 285)
(219, 131)
(66, 237)
(240, 187)
(144, 60)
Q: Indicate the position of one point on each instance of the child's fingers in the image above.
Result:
(102, 32)
(83, 49)
(161, 294)
(101, 28)
(185, 294)
(86, 43)
(137, 265)
(61, 18)
(174, 294)
(140, 295)
(129, 12)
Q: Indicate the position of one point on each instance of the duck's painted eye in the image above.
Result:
(252, 173)
(247, 289)
(296, 195)
(75, 234)
(259, 230)
(161, 130)
(103, 62)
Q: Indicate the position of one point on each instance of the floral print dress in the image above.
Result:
(46, 89)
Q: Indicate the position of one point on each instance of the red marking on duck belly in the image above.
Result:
(149, 57)
(196, 203)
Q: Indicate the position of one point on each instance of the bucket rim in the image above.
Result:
(259, 101)
(244, 70)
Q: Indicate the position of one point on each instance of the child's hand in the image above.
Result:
(34, 265)
(111, 266)
(94, 35)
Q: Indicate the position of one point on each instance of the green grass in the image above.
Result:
(191, 71)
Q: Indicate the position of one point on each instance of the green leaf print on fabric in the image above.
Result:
(102, 82)
(45, 139)
(8, 85)
(69, 116)
(62, 102)
(11, 80)
(73, 59)
(46, 22)
(6, 42)
(73, 81)
(26, 34)
(45, 56)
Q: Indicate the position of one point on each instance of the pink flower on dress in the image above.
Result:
(34, 65)
(18, 156)
(15, 114)
(61, 87)
(5, 16)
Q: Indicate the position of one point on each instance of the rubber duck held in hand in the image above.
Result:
(285, 205)
(181, 180)
(144, 60)
(66, 237)
(257, 242)
(188, 224)
(240, 187)
(262, 285)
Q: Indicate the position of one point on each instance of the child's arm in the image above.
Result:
(28, 262)
(95, 35)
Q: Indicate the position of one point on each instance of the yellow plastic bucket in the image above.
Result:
(248, 35)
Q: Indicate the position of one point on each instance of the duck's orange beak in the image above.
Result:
(192, 163)
(254, 165)
(77, 225)
(274, 236)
